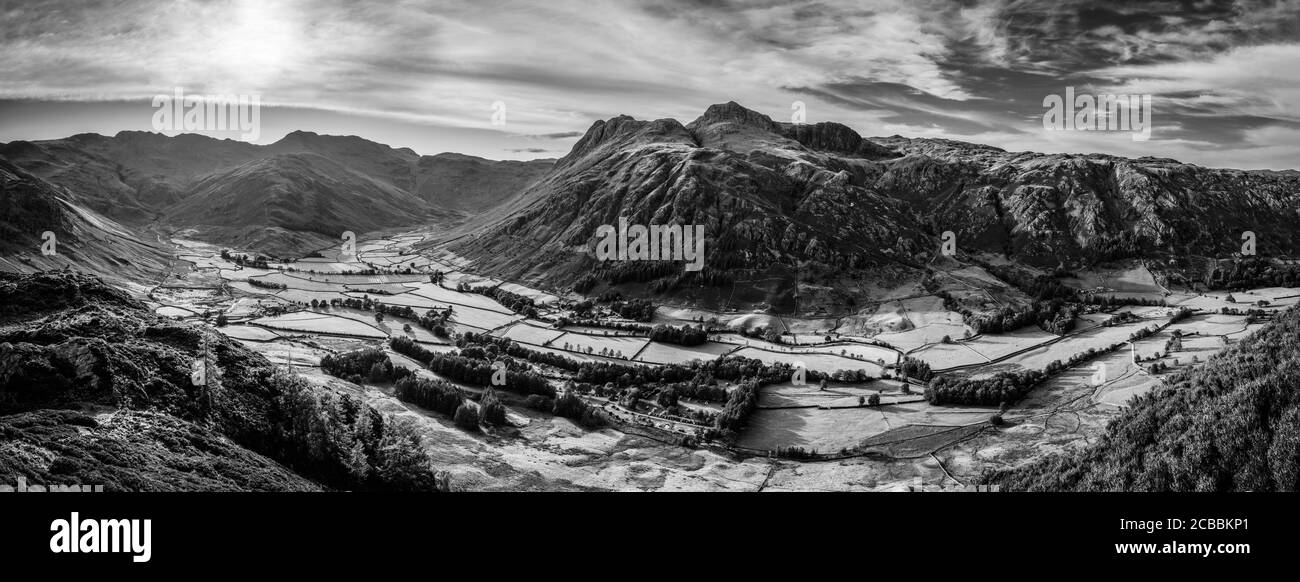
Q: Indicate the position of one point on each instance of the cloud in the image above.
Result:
(972, 69)
(556, 135)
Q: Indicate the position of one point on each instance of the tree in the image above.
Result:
(996, 420)
(379, 317)
(874, 400)
(222, 320)
(402, 462)
(466, 417)
(491, 411)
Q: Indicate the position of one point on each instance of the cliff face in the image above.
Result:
(1044, 208)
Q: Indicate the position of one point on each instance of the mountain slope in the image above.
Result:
(1052, 208)
(30, 206)
(786, 203)
(471, 184)
(137, 177)
(293, 203)
(132, 176)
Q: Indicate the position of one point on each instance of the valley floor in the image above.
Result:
(904, 443)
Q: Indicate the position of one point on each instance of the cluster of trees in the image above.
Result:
(515, 302)
(266, 284)
(1251, 272)
(728, 368)
(766, 333)
(1181, 314)
(509, 347)
(1232, 424)
(637, 328)
(444, 397)
(475, 371)
(437, 395)
(258, 262)
(634, 309)
(436, 321)
(1005, 387)
(1250, 313)
(1055, 316)
(490, 409)
(688, 335)
(365, 303)
(1109, 301)
(574, 408)
(1040, 287)
(914, 368)
(342, 442)
(742, 402)
(360, 365)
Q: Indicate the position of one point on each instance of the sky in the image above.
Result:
(1222, 77)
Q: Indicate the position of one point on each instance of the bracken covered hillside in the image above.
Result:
(96, 389)
(1230, 425)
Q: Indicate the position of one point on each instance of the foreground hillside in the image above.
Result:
(96, 389)
(1230, 425)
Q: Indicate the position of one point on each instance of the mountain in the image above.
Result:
(292, 203)
(139, 177)
(132, 176)
(97, 389)
(787, 205)
(472, 184)
(1076, 209)
(30, 207)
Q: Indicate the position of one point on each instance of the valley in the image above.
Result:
(799, 436)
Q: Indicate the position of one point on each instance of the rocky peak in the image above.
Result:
(735, 114)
